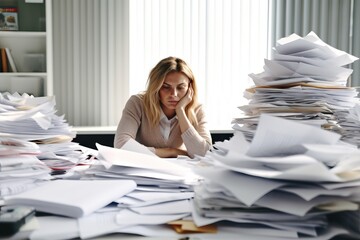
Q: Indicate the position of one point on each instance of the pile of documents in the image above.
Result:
(32, 118)
(34, 142)
(305, 81)
(164, 186)
(285, 183)
(70, 205)
(163, 194)
(146, 170)
(349, 120)
(20, 169)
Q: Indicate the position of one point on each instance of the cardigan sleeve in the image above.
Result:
(129, 122)
(198, 139)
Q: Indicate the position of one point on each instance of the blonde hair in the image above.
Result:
(154, 83)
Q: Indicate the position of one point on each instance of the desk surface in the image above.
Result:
(112, 130)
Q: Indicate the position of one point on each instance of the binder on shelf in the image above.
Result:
(4, 65)
(11, 60)
(8, 19)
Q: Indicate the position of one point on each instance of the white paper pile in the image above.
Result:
(34, 119)
(20, 169)
(305, 81)
(163, 194)
(349, 120)
(144, 169)
(289, 179)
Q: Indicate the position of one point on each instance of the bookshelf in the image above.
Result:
(30, 47)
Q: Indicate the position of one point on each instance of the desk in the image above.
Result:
(88, 136)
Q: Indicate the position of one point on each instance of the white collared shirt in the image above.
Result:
(166, 125)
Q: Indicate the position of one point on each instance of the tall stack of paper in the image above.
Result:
(287, 181)
(33, 142)
(305, 81)
(32, 118)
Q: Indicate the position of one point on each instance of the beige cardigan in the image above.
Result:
(134, 124)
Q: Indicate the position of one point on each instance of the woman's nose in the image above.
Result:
(173, 92)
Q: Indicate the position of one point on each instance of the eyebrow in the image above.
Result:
(183, 83)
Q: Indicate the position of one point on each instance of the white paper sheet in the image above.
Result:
(125, 158)
(276, 136)
(73, 198)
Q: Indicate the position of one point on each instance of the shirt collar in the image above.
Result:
(163, 117)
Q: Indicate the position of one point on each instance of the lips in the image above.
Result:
(173, 102)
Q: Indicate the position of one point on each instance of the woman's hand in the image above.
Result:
(186, 99)
(169, 152)
(180, 110)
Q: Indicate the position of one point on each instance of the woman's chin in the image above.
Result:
(171, 106)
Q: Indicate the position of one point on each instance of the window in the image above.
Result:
(100, 61)
(222, 41)
(104, 50)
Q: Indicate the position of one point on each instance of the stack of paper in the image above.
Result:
(34, 142)
(20, 169)
(163, 194)
(289, 179)
(305, 81)
(34, 119)
(145, 169)
(349, 120)
(350, 219)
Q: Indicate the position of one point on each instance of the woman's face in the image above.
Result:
(174, 88)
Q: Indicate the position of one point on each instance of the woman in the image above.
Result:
(166, 117)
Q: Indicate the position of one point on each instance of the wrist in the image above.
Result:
(179, 110)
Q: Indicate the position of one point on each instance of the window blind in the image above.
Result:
(90, 60)
(104, 51)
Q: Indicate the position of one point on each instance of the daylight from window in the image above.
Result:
(222, 41)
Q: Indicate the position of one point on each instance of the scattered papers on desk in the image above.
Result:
(274, 179)
(146, 170)
(72, 198)
(282, 179)
(163, 193)
(305, 82)
(147, 196)
(134, 146)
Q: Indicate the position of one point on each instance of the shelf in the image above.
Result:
(22, 34)
(12, 74)
(31, 16)
(30, 47)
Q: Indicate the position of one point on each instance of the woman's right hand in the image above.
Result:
(186, 99)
